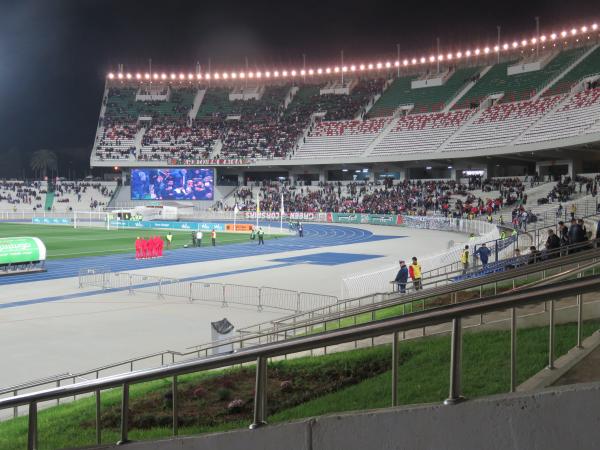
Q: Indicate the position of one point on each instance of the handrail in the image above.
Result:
(452, 313)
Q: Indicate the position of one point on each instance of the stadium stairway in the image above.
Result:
(465, 90)
(197, 102)
(561, 75)
(49, 202)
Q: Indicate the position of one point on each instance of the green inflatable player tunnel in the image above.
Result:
(18, 250)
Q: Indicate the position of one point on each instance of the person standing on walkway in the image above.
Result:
(402, 277)
(464, 259)
(214, 237)
(300, 230)
(169, 239)
(484, 254)
(194, 239)
(261, 236)
(415, 273)
(199, 238)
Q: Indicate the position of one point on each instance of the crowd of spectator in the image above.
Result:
(25, 193)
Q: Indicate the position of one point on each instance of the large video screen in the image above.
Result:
(194, 183)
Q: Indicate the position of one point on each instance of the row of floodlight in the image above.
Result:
(353, 68)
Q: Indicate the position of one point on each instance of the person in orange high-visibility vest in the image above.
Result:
(214, 237)
(415, 273)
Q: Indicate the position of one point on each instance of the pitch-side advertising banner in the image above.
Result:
(21, 250)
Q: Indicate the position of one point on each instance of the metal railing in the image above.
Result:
(453, 314)
(198, 291)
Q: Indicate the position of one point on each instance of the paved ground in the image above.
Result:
(585, 371)
(54, 327)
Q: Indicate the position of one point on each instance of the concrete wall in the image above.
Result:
(561, 418)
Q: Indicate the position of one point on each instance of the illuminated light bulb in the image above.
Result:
(311, 72)
(449, 56)
(147, 76)
(553, 36)
(190, 76)
(379, 65)
(543, 38)
(405, 62)
(284, 73)
(533, 40)
(584, 29)
(207, 76)
(111, 75)
(199, 76)
(431, 58)
(319, 71)
(293, 72)
(242, 75)
(163, 76)
(173, 76)
(524, 42)
(258, 74)
(496, 48)
(486, 50)
(459, 54)
(422, 60)
(414, 60)
(128, 76)
(515, 44)
(505, 47)
(276, 73)
(233, 75)
(468, 53)
(225, 75)
(573, 31)
(352, 68)
(120, 76)
(396, 63)
(336, 69)
(181, 76)
(216, 77)
(388, 64)
(477, 51)
(594, 26)
(303, 72)
(361, 67)
(563, 33)
(268, 74)
(440, 57)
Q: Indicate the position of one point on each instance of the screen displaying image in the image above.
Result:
(194, 183)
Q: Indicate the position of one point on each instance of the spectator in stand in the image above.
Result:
(483, 252)
(552, 245)
(401, 278)
(416, 274)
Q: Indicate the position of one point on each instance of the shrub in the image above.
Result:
(235, 406)
(286, 386)
(224, 394)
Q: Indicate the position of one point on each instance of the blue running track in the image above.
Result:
(315, 236)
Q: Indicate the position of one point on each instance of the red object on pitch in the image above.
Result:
(144, 248)
(138, 248)
(161, 246)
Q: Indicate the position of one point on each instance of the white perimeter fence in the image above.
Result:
(198, 291)
(369, 282)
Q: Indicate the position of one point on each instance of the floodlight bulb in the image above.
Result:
(120, 75)
(388, 64)
(111, 75)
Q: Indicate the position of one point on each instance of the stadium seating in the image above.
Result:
(122, 105)
(589, 66)
(420, 133)
(520, 86)
(116, 141)
(501, 124)
(340, 139)
(580, 114)
(429, 99)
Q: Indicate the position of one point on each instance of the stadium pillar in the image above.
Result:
(395, 357)
(124, 415)
(32, 433)
(260, 393)
(455, 364)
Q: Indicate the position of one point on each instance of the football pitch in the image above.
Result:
(67, 242)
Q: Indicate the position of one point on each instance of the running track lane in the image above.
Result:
(315, 236)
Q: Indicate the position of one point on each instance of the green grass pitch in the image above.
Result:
(66, 242)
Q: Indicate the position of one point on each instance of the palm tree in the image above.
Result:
(43, 160)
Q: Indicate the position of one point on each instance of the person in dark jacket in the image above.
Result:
(402, 277)
(534, 255)
(552, 244)
(575, 234)
(483, 253)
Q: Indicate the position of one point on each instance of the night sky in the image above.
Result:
(54, 54)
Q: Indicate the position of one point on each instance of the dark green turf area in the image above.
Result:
(66, 242)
